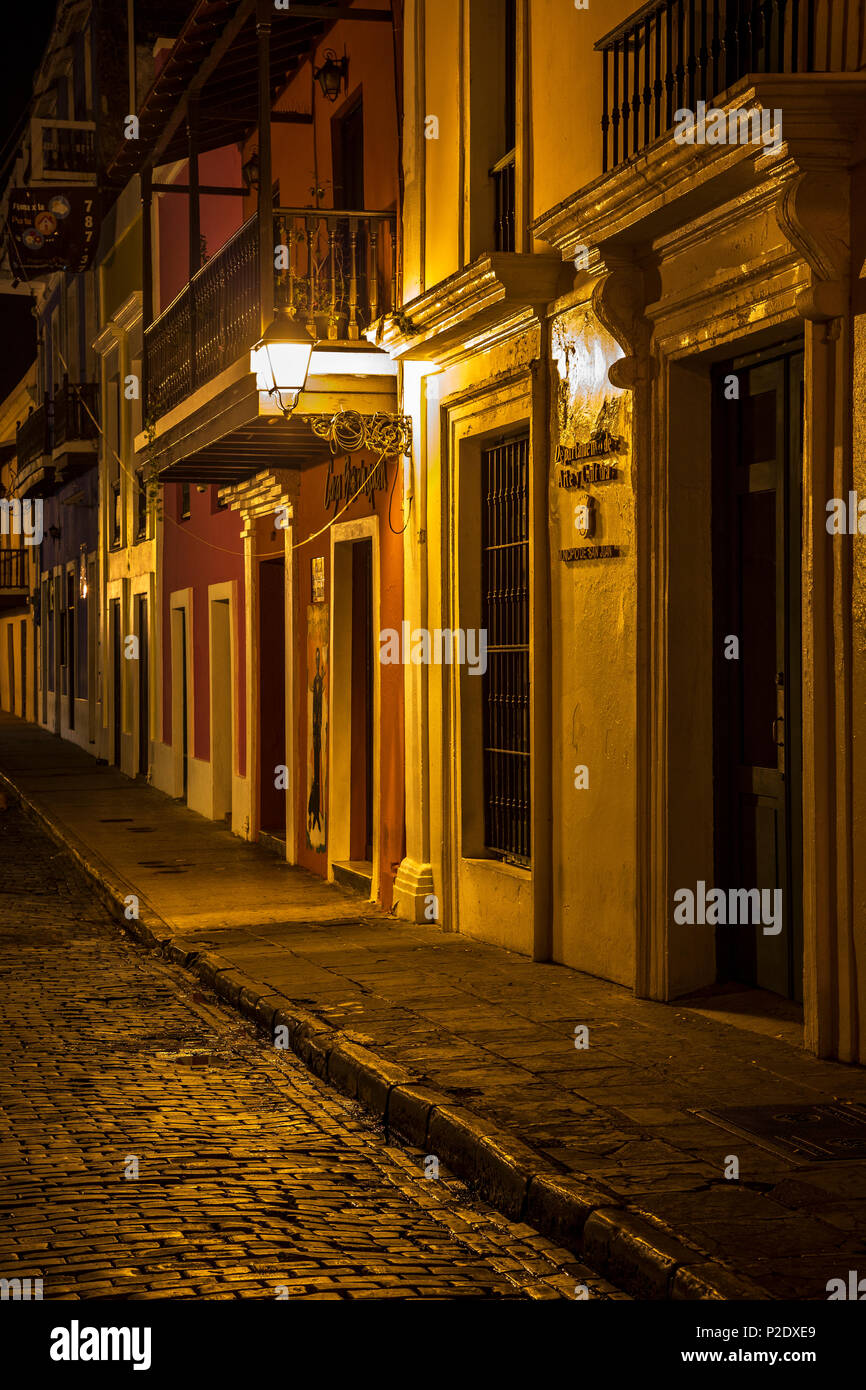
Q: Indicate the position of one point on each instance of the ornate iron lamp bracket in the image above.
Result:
(347, 431)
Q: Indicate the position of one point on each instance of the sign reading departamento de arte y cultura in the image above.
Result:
(52, 228)
(580, 466)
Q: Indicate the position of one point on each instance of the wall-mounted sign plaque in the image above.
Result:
(317, 578)
(590, 552)
(599, 445)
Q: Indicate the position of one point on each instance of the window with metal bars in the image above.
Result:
(505, 615)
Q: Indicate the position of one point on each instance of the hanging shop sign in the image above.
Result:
(52, 228)
(356, 478)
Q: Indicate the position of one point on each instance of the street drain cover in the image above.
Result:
(823, 1133)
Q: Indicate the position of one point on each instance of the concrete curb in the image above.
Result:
(635, 1251)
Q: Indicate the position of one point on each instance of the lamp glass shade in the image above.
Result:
(331, 77)
(282, 359)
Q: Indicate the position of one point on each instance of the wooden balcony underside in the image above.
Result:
(228, 431)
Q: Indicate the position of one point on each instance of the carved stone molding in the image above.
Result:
(813, 212)
(618, 301)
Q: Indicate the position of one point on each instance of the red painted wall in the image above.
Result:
(219, 217)
(302, 154)
(310, 516)
(205, 550)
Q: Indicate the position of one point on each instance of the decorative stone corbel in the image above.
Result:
(618, 301)
(262, 494)
(813, 212)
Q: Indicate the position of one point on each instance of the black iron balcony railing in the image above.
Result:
(76, 407)
(671, 54)
(502, 175)
(336, 270)
(341, 268)
(33, 439)
(63, 147)
(13, 568)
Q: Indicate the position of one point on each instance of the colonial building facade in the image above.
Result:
(578, 398)
(630, 357)
(268, 168)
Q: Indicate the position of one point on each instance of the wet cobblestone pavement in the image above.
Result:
(253, 1178)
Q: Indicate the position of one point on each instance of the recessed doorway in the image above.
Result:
(353, 839)
(272, 697)
(757, 478)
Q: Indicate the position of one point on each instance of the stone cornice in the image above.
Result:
(129, 312)
(669, 184)
(496, 295)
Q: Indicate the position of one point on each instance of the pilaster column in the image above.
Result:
(414, 886)
(813, 211)
(618, 300)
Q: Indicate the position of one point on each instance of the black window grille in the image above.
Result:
(140, 506)
(503, 185)
(115, 515)
(503, 171)
(505, 615)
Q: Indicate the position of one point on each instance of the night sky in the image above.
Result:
(26, 40)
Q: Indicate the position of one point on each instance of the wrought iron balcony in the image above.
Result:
(62, 149)
(336, 271)
(13, 568)
(33, 445)
(671, 54)
(76, 412)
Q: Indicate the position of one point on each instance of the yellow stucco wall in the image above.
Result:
(593, 654)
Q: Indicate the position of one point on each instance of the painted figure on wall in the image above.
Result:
(317, 726)
(314, 806)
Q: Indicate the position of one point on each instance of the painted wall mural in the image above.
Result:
(318, 637)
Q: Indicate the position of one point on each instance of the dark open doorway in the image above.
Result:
(71, 656)
(143, 686)
(757, 475)
(361, 819)
(272, 696)
(116, 686)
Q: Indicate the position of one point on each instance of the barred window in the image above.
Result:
(505, 615)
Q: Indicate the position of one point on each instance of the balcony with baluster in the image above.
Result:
(671, 54)
(34, 437)
(14, 586)
(332, 270)
(75, 442)
(783, 78)
(336, 276)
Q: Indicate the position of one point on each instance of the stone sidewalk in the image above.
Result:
(469, 1051)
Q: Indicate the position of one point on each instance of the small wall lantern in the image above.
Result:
(333, 73)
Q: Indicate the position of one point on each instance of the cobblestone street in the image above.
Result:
(254, 1180)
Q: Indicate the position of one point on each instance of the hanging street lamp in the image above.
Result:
(281, 359)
